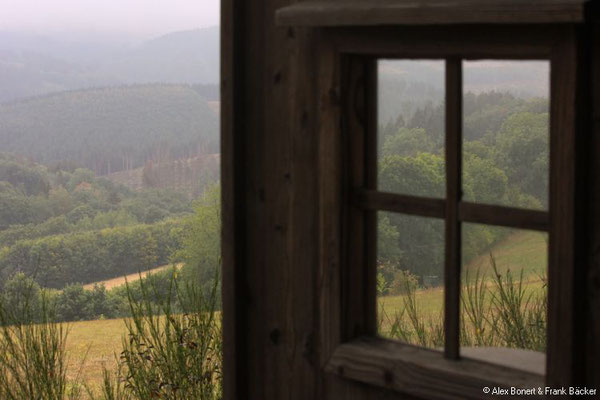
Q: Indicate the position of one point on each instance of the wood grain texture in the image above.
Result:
(356, 312)
(422, 372)
(430, 12)
(593, 279)
(330, 213)
(504, 216)
(233, 162)
(562, 333)
(453, 236)
(383, 201)
(439, 42)
(270, 205)
(285, 303)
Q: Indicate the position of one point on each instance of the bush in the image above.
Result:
(167, 354)
(172, 349)
(497, 311)
(33, 362)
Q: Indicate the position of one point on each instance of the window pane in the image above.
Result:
(504, 296)
(411, 127)
(410, 284)
(506, 133)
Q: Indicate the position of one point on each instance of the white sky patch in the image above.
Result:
(137, 17)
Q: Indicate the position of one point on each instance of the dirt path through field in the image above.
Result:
(114, 282)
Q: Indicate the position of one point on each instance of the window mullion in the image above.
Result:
(453, 197)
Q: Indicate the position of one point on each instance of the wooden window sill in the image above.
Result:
(425, 373)
(429, 12)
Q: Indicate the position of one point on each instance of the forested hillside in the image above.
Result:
(110, 129)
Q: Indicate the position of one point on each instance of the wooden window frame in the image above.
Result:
(349, 200)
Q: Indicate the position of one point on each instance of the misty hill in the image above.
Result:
(188, 176)
(28, 73)
(32, 65)
(180, 57)
(111, 129)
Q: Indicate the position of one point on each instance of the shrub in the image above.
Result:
(496, 311)
(33, 362)
(169, 355)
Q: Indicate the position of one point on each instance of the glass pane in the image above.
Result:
(504, 296)
(506, 133)
(410, 284)
(411, 127)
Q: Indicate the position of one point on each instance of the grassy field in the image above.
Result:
(94, 343)
(521, 251)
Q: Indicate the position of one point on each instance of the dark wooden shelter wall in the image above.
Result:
(593, 278)
(271, 265)
(270, 212)
(268, 123)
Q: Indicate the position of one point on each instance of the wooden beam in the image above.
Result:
(371, 184)
(233, 199)
(504, 216)
(425, 373)
(399, 203)
(357, 313)
(429, 12)
(563, 333)
(453, 197)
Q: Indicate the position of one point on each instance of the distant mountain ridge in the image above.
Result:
(31, 65)
(179, 57)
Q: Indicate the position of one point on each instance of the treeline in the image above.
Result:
(25, 298)
(86, 257)
(32, 194)
(505, 162)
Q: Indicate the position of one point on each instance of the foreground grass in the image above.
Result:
(167, 349)
(503, 300)
(522, 250)
(91, 347)
(94, 343)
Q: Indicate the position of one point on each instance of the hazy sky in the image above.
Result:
(139, 17)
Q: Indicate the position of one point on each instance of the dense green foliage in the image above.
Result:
(110, 129)
(65, 227)
(64, 261)
(201, 240)
(92, 256)
(505, 162)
